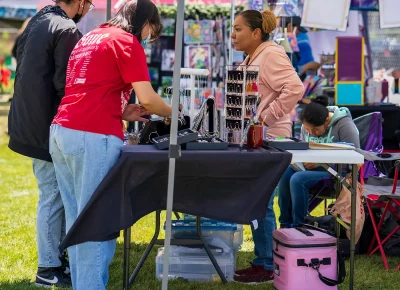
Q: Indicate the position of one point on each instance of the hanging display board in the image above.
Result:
(389, 13)
(287, 8)
(326, 14)
(349, 74)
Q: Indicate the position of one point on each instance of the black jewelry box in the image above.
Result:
(184, 136)
(289, 144)
(207, 144)
(156, 127)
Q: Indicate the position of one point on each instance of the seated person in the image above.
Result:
(321, 124)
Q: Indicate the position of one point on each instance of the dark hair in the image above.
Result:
(315, 113)
(134, 15)
(65, 1)
(265, 21)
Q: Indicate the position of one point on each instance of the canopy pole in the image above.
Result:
(174, 149)
(230, 59)
(108, 10)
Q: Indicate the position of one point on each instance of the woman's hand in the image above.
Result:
(133, 112)
(310, 166)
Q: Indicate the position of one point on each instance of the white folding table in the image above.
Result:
(348, 157)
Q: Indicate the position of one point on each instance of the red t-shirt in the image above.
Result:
(100, 71)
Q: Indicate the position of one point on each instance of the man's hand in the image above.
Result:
(133, 112)
(310, 166)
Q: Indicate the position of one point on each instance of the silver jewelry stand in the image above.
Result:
(174, 149)
(243, 95)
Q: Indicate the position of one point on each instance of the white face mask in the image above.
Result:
(144, 42)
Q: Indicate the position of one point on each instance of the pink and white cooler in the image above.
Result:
(306, 258)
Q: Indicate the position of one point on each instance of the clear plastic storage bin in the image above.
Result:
(216, 233)
(194, 264)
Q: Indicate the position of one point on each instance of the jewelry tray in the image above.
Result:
(184, 136)
(295, 144)
(209, 145)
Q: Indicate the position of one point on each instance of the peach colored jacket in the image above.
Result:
(280, 88)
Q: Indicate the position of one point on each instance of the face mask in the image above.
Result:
(78, 16)
(144, 42)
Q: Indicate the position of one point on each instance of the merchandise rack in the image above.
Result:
(241, 96)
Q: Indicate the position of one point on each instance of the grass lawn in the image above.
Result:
(18, 198)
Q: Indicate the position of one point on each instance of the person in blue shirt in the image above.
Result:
(303, 42)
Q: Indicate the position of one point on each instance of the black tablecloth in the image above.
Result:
(234, 186)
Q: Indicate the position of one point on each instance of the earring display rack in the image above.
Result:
(241, 100)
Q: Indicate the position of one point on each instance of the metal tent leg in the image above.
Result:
(148, 249)
(127, 251)
(209, 253)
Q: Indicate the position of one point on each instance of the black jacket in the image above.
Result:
(14, 49)
(43, 51)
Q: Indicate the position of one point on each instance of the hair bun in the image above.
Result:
(322, 100)
(268, 21)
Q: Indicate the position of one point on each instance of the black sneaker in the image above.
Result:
(48, 277)
(65, 264)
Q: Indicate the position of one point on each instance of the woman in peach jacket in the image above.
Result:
(280, 89)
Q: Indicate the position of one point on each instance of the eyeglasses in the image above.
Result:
(91, 5)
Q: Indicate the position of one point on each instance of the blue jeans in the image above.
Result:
(81, 161)
(262, 238)
(50, 220)
(293, 190)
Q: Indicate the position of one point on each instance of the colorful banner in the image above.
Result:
(364, 5)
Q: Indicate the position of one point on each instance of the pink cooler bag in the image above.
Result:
(306, 258)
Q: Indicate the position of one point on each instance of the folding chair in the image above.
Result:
(370, 129)
(375, 196)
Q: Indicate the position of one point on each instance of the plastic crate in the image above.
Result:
(214, 232)
(193, 264)
(192, 217)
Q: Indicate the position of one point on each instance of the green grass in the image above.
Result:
(18, 258)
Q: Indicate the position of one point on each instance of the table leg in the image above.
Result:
(209, 253)
(353, 224)
(338, 189)
(127, 251)
(148, 249)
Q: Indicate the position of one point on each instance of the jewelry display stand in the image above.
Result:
(241, 100)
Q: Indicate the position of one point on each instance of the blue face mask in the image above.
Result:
(144, 42)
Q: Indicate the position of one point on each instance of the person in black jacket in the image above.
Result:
(42, 52)
(21, 30)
